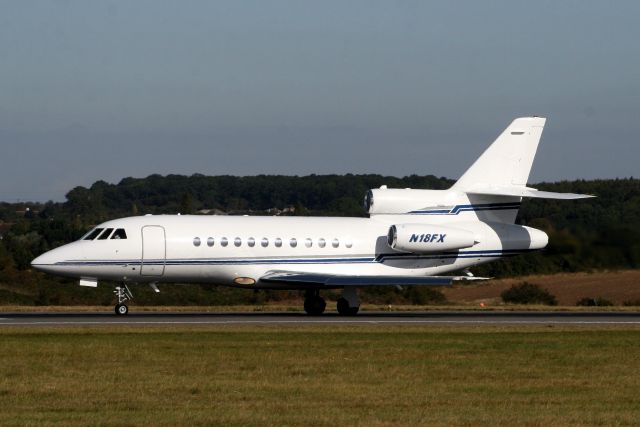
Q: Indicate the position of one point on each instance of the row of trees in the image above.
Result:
(600, 233)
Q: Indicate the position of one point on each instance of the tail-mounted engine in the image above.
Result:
(385, 200)
(425, 238)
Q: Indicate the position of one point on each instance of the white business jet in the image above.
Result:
(412, 237)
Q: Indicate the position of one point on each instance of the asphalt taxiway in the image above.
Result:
(368, 318)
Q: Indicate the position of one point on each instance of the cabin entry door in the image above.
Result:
(154, 250)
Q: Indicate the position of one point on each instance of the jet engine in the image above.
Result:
(425, 238)
(385, 200)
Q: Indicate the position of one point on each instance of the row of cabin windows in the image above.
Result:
(264, 242)
(104, 233)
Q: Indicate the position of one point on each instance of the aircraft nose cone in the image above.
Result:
(44, 262)
(56, 261)
(39, 262)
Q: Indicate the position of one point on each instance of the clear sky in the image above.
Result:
(95, 90)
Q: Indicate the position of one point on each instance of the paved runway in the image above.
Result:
(366, 318)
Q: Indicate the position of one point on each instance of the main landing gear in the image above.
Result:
(314, 304)
(123, 294)
(347, 305)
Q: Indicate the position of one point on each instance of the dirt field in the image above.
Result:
(616, 286)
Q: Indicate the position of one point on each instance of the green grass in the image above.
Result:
(320, 375)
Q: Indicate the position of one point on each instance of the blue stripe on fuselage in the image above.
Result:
(468, 208)
(311, 260)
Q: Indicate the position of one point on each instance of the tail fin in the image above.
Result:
(503, 169)
(507, 162)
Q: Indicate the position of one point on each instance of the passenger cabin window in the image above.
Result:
(93, 234)
(119, 234)
(105, 234)
(224, 242)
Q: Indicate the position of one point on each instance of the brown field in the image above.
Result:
(615, 286)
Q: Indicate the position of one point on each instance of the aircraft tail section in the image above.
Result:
(507, 162)
(490, 190)
(503, 169)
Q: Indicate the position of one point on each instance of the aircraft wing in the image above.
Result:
(295, 278)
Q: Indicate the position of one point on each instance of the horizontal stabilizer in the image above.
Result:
(335, 280)
(521, 191)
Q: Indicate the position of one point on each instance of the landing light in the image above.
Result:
(244, 281)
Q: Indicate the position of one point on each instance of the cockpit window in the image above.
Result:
(105, 234)
(93, 234)
(119, 234)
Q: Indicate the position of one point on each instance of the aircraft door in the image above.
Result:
(153, 250)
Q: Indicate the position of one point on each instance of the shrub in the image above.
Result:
(631, 303)
(528, 293)
(594, 302)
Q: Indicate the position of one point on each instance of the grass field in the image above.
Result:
(320, 376)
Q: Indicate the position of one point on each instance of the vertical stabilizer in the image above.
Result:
(507, 162)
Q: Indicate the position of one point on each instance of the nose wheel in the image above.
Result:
(122, 309)
(123, 294)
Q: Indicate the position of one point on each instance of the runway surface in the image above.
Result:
(366, 318)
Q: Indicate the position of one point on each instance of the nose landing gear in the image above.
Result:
(123, 294)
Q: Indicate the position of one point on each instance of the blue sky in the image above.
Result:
(110, 89)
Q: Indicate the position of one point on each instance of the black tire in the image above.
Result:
(314, 306)
(343, 308)
(122, 309)
(342, 305)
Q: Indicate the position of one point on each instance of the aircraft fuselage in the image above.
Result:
(221, 249)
